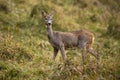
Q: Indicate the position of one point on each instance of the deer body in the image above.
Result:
(70, 39)
(81, 39)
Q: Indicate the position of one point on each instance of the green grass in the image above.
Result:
(26, 54)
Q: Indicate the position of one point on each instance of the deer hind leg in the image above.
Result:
(97, 56)
(55, 53)
(91, 50)
(82, 46)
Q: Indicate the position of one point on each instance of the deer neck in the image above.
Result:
(50, 32)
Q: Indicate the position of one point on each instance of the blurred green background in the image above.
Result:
(25, 53)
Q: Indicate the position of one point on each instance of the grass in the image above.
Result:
(25, 53)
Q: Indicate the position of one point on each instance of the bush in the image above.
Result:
(114, 28)
(6, 5)
(36, 10)
(67, 71)
(11, 72)
(10, 51)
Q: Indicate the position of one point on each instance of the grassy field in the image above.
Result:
(25, 53)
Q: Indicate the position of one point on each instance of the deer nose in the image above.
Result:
(49, 22)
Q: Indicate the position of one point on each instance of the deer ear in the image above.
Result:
(52, 14)
(44, 14)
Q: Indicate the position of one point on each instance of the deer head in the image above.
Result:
(48, 18)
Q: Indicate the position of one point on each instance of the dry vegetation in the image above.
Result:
(25, 53)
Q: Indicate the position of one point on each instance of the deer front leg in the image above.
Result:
(62, 50)
(55, 53)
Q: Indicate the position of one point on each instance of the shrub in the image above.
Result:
(114, 28)
(10, 51)
(6, 5)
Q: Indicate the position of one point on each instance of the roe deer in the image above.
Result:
(81, 39)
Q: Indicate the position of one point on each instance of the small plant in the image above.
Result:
(114, 28)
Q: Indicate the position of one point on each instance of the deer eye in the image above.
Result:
(45, 18)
